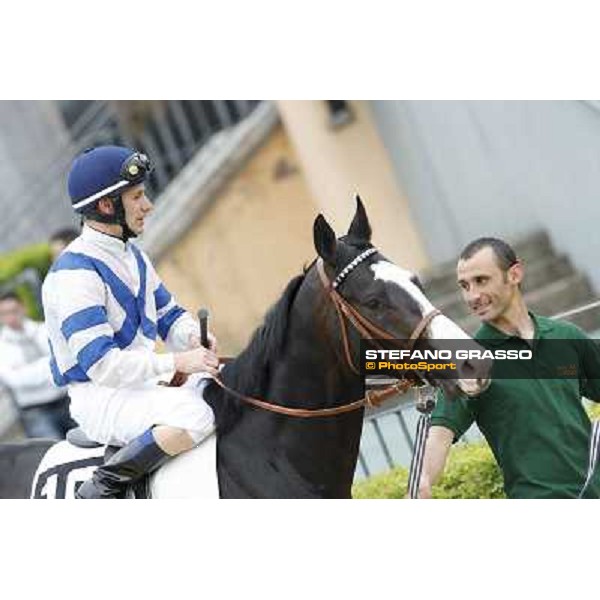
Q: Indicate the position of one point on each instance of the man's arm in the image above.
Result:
(83, 324)
(437, 448)
(449, 420)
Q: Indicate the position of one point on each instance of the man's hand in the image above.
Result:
(197, 361)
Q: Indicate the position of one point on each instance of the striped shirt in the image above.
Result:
(104, 305)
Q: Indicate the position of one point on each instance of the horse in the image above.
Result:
(289, 409)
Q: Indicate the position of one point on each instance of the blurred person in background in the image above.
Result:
(537, 427)
(25, 369)
(23, 270)
(105, 306)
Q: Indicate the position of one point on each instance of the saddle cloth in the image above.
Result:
(192, 474)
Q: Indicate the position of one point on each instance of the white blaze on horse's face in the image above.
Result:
(441, 327)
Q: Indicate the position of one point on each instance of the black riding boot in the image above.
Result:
(129, 464)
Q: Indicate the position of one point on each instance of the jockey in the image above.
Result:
(104, 305)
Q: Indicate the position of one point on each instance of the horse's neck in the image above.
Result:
(265, 454)
(312, 371)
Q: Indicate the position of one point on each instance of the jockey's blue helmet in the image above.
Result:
(105, 171)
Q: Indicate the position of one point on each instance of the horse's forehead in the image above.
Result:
(391, 273)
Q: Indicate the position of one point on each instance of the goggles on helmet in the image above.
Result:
(136, 168)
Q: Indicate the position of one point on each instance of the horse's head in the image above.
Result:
(386, 300)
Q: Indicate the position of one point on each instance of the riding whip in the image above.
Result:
(203, 318)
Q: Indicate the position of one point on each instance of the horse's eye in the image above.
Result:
(373, 304)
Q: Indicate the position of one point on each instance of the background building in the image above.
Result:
(238, 184)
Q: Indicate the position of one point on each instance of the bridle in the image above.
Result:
(366, 329)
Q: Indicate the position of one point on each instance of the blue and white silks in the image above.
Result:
(104, 305)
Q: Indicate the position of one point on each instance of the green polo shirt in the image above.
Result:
(536, 427)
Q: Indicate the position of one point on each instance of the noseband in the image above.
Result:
(366, 329)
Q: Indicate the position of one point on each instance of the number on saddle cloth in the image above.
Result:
(68, 464)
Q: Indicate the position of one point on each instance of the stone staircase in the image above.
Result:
(551, 285)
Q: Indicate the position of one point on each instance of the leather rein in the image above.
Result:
(366, 329)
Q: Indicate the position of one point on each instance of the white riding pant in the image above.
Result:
(116, 416)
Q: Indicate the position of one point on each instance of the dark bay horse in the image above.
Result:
(304, 356)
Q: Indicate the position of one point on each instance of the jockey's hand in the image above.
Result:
(198, 360)
(194, 342)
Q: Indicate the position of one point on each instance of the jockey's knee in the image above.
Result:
(198, 420)
(174, 440)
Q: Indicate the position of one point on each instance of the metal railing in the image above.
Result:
(169, 131)
(387, 439)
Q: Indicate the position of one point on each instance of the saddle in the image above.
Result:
(77, 438)
(65, 465)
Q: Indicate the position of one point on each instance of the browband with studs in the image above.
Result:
(351, 266)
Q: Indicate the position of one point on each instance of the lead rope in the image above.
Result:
(425, 404)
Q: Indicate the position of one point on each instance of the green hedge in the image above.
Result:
(471, 473)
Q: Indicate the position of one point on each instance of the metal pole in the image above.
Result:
(576, 311)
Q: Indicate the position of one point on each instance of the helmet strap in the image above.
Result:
(120, 218)
(117, 218)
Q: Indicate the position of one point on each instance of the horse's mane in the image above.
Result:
(249, 373)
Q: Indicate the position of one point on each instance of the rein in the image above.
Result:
(372, 398)
(366, 329)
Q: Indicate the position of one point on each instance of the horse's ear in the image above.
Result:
(360, 228)
(325, 240)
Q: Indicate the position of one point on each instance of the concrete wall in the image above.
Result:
(340, 162)
(31, 204)
(255, 233)
(498, 168)
(255, 236)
